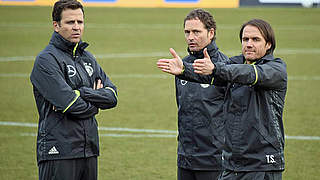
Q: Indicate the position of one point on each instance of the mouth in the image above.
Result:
(192, 44)
(249, 52)
(77, 35)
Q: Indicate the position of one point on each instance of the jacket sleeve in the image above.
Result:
(189, 74)
(103, 98)
(269, 75)
(48, 79)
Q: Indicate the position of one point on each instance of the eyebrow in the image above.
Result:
(251, 37)
(74, 20)
(193, 30)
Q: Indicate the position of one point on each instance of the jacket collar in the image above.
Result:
(211, 48)
(58, 41)
(268, 57)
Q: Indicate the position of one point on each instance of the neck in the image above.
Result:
(250, 61)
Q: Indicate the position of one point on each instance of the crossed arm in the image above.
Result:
(84, 102)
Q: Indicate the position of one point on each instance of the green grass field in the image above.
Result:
(127, 43)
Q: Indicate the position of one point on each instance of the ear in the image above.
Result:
(56, 26)
(268, 45)
(211, 33)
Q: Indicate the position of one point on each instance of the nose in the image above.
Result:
(190, 36)
(249, 43)
(76, 26)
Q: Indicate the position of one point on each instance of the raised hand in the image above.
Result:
(172, 66)
(203, 66)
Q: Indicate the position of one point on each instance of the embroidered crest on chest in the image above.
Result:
(89, 68)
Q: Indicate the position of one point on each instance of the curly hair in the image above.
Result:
(205, 17)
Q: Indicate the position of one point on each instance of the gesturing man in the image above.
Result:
(69, 88)
(256, 87)
(199, 106)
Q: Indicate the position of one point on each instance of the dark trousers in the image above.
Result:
(186, 174)
(260, 175)
(69, 169)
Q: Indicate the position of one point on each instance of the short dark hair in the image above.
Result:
(205, 17)
(61, 5)
(266, 31)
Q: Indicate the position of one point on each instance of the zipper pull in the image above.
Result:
(75, 50)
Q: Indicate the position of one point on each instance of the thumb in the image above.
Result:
(205, 53)
(173, 53)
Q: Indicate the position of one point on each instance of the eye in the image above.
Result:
(256, 39)
(245, 39)
(70, 22)
(196, 32)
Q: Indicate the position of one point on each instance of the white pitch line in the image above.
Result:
(111, 56)
(16, 75)
(138, 76)
(116, 56)
(121, 135)
(304, 78)
(153, 76)
(303, 137)
(153, 26)
(137, 130)
(101, 26)
(4, 123)
(140, 135)
(17, 58)
(162, 133)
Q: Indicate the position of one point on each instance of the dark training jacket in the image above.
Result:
(63, 77)
(253, 108)
(200, 121)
